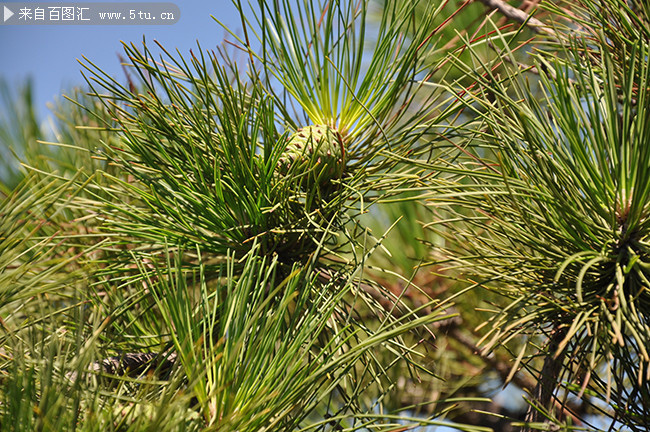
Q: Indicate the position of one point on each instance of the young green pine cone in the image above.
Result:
(318, 149)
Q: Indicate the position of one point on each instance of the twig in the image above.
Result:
(519, 16)
(500, 365)
(543, 399)
(452, 327)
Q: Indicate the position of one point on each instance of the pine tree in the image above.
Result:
(352, 216)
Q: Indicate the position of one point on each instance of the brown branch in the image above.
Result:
(543, 394)
(519, 16)
(542, 390)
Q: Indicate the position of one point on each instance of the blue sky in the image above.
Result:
(49, 53)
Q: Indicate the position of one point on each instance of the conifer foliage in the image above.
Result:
(222, 239)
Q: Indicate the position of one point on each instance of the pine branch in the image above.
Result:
(543, 399)
(519, 16)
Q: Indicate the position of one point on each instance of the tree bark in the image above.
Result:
(543, 400)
